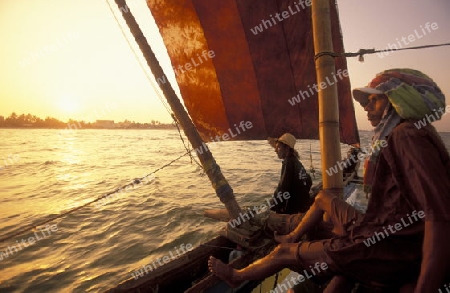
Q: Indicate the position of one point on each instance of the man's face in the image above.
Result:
(375, 108)
(281, 149)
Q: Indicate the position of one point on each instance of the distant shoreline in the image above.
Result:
(164, 126)
(97, 128)
(29, 121)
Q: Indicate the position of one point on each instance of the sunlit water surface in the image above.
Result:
(45, 173)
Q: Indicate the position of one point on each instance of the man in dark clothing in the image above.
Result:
(402, 238)
(294, 179)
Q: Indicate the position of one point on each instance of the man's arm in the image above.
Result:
(435, 259)
(421, 167)
(284, 184)
(286, 179)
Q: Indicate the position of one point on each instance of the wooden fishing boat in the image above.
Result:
(231, 75)
(189, 273)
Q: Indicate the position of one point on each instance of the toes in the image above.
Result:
(212, 263)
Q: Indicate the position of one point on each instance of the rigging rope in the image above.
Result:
(185, 146)
(363, 52)
(41, 223)
(155, 89)
(215, 246)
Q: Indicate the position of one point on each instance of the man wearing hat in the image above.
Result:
(401, 242)
(294, 179)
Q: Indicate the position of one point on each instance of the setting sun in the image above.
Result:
(68, 105)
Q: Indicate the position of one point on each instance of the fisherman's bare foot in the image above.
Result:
(283, 238)
(223, 271)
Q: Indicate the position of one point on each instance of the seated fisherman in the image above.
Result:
(402, 238)
(294, 179)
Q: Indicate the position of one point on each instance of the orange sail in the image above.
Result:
(247, 61)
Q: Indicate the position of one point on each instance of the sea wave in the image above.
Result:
(98, 246)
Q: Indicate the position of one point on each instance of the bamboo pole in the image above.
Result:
(220, 184)
(328, 97)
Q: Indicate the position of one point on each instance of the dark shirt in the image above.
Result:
(412, 175)
(293, 180)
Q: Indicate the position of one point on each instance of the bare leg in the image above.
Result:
(315, 214)
(284, 255)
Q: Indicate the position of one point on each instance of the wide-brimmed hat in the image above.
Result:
(288, 139)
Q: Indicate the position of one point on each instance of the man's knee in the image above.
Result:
(323, 200)
(285, 250)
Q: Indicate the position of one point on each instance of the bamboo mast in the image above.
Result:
(220, 184)
(328, 97)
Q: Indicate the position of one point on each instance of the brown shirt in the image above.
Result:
(412, 174)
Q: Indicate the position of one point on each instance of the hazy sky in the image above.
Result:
(69, 59)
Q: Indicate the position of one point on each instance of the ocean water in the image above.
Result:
(44, 173)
